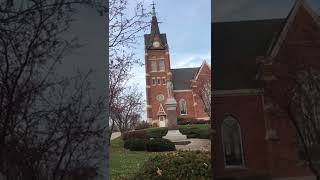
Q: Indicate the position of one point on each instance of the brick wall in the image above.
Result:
(247, 109)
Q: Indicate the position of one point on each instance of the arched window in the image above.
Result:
(161, 65)
(232, 145)
(183, 106)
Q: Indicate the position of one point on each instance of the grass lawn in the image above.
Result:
(124, 163)
(195, 130)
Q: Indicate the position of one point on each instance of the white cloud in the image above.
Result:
(189, 60)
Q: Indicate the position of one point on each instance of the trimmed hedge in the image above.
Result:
(189, 165)
(160, 145)
(156, 132)
(138, 134)
(185, 121)
(195, 131)
(135, 144)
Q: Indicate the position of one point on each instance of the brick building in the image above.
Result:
(249, 139)
(184, 80)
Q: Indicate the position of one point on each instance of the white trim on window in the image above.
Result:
(185, 106)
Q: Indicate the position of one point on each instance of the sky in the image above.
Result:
(187, 24)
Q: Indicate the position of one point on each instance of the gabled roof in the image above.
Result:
(274, 48)
(181, 77)
(235, 46)
(204, 63)
(161, 110)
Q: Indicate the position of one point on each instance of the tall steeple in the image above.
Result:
(154, 22)
(155, 40)
(153, 9)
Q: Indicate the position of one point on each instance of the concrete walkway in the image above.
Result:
(196, 144)
(114, 135)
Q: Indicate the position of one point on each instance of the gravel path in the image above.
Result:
(196, 144)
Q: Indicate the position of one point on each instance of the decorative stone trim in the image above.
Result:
(237, 92)
(184, 90)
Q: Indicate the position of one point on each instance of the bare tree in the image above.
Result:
(124, 30)
(202, 89)
(305, 110)
(124, 27)
(48, 125)
(126, 109)
(296, 93)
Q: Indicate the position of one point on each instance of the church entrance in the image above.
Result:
(162, 121)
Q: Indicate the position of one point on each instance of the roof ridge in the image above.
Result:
(249, 20)
(185, 68)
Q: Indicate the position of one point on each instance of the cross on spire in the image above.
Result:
(153, 9)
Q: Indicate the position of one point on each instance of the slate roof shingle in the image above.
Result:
(235, 46)
(181, 77)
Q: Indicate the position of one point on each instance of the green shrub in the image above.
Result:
(135, 144)
(186, 165)
(160, 145)
(185, 121)
(139, 134)
(156, 132)
(195, 131)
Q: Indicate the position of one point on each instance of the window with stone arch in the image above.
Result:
(232, 142)
(183, 106)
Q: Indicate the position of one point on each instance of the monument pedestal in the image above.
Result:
(175, 136)
(171, 106)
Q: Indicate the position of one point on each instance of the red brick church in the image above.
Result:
(249, 140)
(159, 72)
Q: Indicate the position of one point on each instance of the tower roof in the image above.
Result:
(154, 22)
(155, 32)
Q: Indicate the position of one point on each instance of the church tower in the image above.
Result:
(157, 66)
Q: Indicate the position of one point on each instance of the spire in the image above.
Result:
(154, 22)
(153, 9)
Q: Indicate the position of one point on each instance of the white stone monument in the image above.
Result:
(171, 105)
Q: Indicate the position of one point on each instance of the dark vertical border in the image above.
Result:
(212, 98)
(107, 90)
